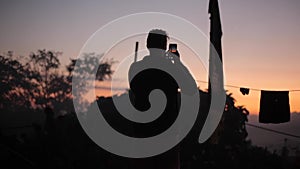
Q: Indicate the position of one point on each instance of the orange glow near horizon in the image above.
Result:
(260, 41)
(237, 70)
(251, 101)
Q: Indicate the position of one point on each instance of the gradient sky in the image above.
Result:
(260, 44)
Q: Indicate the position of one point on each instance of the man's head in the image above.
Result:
(157, 38)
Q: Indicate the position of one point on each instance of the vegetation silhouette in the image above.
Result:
(58, 141)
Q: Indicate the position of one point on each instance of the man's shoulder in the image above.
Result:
(141, 63)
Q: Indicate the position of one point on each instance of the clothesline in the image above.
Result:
(247, 123)
(274, 131)
(16, 127)
(254, 89)
(17, 154)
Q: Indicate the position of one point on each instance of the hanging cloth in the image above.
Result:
(274, 107)
(244, 91)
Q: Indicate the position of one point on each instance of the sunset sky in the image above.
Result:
(261, 39)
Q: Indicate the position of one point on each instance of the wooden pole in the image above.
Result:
(215, 44)
(136, 51)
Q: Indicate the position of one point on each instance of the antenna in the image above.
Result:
(136, 51)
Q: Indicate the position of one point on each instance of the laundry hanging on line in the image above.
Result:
(244, 91)
(274, 107)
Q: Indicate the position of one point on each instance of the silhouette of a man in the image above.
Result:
(142, 82)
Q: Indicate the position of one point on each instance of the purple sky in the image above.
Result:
(260, 42)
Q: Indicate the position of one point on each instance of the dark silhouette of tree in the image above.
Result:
(37, 80)
(21, 79)
(46, 63)
(233, 123)
(87, 65)
(15, 83)
(90, 63)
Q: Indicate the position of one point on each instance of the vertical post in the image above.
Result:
(215, 72)
(136, 51)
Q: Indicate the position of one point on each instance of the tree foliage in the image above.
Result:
(37, 80)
